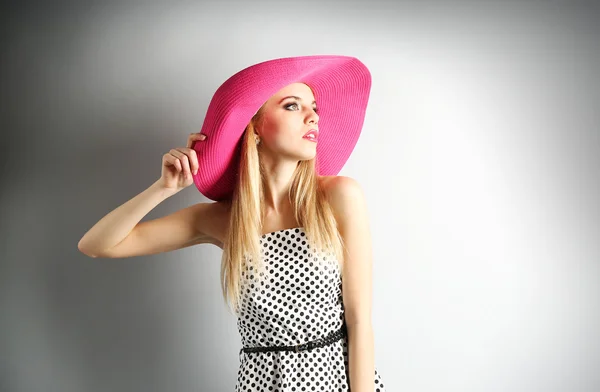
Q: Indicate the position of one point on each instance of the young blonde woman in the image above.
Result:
(296, 265)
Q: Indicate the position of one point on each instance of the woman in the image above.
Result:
(296, 266)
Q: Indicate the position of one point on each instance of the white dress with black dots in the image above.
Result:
(298, 300)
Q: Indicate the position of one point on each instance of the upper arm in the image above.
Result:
(189, 226)
(350, 209)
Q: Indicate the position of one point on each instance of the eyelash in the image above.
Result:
(288, 105)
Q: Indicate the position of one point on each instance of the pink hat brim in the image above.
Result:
(341, 86)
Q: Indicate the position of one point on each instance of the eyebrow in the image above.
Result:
(295, 97)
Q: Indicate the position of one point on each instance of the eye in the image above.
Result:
(296, 105)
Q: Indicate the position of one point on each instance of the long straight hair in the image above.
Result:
(312, 210)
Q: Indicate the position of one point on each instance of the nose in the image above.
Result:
(313, 116)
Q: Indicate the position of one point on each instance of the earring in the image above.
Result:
(257, 141)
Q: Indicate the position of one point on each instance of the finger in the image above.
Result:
(183, 158)
(171, 160)
(192, 158)
(194, 137)
(174, 159)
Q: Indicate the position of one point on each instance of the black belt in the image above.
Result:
(327, 340)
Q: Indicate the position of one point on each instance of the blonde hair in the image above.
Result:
(241, 246)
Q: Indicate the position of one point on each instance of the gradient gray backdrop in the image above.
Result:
(479, 159)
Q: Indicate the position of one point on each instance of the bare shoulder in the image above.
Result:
(331, 183)
(337, 187)
(345, 194)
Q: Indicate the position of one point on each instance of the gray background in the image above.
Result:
(479, 159)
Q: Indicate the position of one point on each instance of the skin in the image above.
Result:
(282, 144)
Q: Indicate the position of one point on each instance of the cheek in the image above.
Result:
(280, 139)
(276, 129)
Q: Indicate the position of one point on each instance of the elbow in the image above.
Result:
(88, 254)
(85, 251)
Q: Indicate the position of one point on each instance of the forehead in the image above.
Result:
(300, 90)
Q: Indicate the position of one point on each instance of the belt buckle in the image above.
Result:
(297, 348)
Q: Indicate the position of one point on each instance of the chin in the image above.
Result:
(306, 153)
(310, 156)
(305, 158)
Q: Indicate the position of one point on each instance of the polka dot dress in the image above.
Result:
(297, 299)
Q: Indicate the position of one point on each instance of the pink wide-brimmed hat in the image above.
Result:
(341, 86)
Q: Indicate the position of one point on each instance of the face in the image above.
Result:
(289, 115)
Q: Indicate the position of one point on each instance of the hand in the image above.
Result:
(179, 164)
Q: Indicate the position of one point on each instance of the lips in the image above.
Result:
(313, 134)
